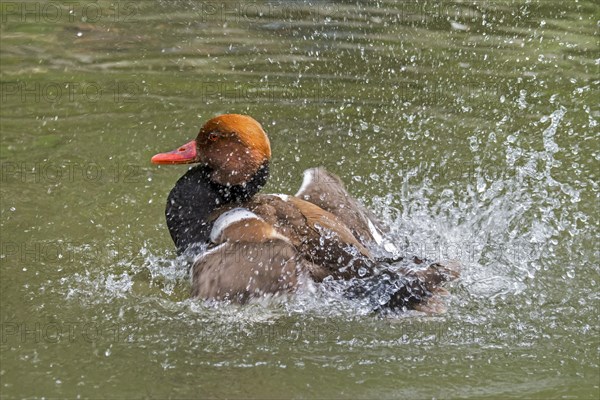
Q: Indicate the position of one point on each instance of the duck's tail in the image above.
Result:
(404, 288)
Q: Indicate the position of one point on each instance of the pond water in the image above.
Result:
(471, 128)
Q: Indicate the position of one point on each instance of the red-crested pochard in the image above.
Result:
(263, 244)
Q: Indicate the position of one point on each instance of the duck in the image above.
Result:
(248, 245)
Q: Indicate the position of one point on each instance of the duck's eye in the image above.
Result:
(212, 136)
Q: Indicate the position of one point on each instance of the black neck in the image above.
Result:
(195, 196)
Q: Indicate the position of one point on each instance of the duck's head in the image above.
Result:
(234, 147)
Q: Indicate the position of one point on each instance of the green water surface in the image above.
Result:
(470, 127)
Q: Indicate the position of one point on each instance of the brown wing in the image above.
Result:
(251, 259)
(240, 270)
(327, 191)
(320, 237)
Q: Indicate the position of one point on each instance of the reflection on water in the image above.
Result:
(470, 128)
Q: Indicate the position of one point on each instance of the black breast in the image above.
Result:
(195, 196)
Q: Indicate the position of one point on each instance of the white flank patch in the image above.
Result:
(308, 177)
(228, 218)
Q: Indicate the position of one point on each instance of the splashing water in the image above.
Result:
(502, 228)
